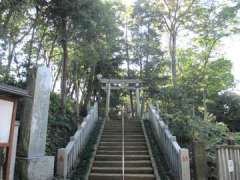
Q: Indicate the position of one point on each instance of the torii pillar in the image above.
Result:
(138, 105)
(108, 88)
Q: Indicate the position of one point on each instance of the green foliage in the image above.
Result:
(237, 137)
(226, 108)
(188, 128)
(60, 127)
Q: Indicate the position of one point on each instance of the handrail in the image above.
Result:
(176, 157)
(68, 157)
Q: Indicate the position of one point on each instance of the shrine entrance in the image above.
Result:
(118, 84)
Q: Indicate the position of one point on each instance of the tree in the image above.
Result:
(173, 14)
(226, 109)
(211, 21)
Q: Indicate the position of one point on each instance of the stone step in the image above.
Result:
(111, 140)
(119, 170)
(107, 164)
(134, 140)
(126, 143)
(115, 170)
(102, 152)
(129, 152)
(139, 177)
(119, 140)
(133, 130)
(132, 125)
(145, 163)
(116, 134)
(108, 157)
(106, 143)
(120, 130)
(138, 170)
(134, 135)
(134, 157)
(138, 132)
(112, 136)
(115, 148)
(101, 176)
(119, 137)
(113, 132)
(119, 147)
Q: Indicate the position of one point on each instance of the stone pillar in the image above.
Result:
(142, 107)
(108, 100)
(32, 164)
(199, 161)
(185, 164)
(138, 105)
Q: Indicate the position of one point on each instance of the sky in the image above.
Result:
(229, 48)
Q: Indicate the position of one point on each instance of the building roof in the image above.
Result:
(13, 91)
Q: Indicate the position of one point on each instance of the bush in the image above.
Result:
(60, 127)
(226, 108)
(187, 129)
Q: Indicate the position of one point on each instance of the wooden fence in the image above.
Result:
(228, 160)
(176, 157)
(69, 156)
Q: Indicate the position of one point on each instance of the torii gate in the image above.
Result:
(117, 84)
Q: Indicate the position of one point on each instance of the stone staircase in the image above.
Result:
(122, 153)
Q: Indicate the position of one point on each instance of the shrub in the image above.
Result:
(60, 127)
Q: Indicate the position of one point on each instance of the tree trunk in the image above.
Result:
(128, 64)
(12, 48)
(29, 60)
(64, 67)
(205, 104)
(40, 44)
(90, 87)
(141, 68)
(51, 51)
(30, 51)
(75, 77)
(57, 76)
(173, 52)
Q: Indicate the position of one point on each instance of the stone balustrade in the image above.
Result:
(68, 157)
(177, 157)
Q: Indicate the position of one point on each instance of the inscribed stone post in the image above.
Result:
(32, 163)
